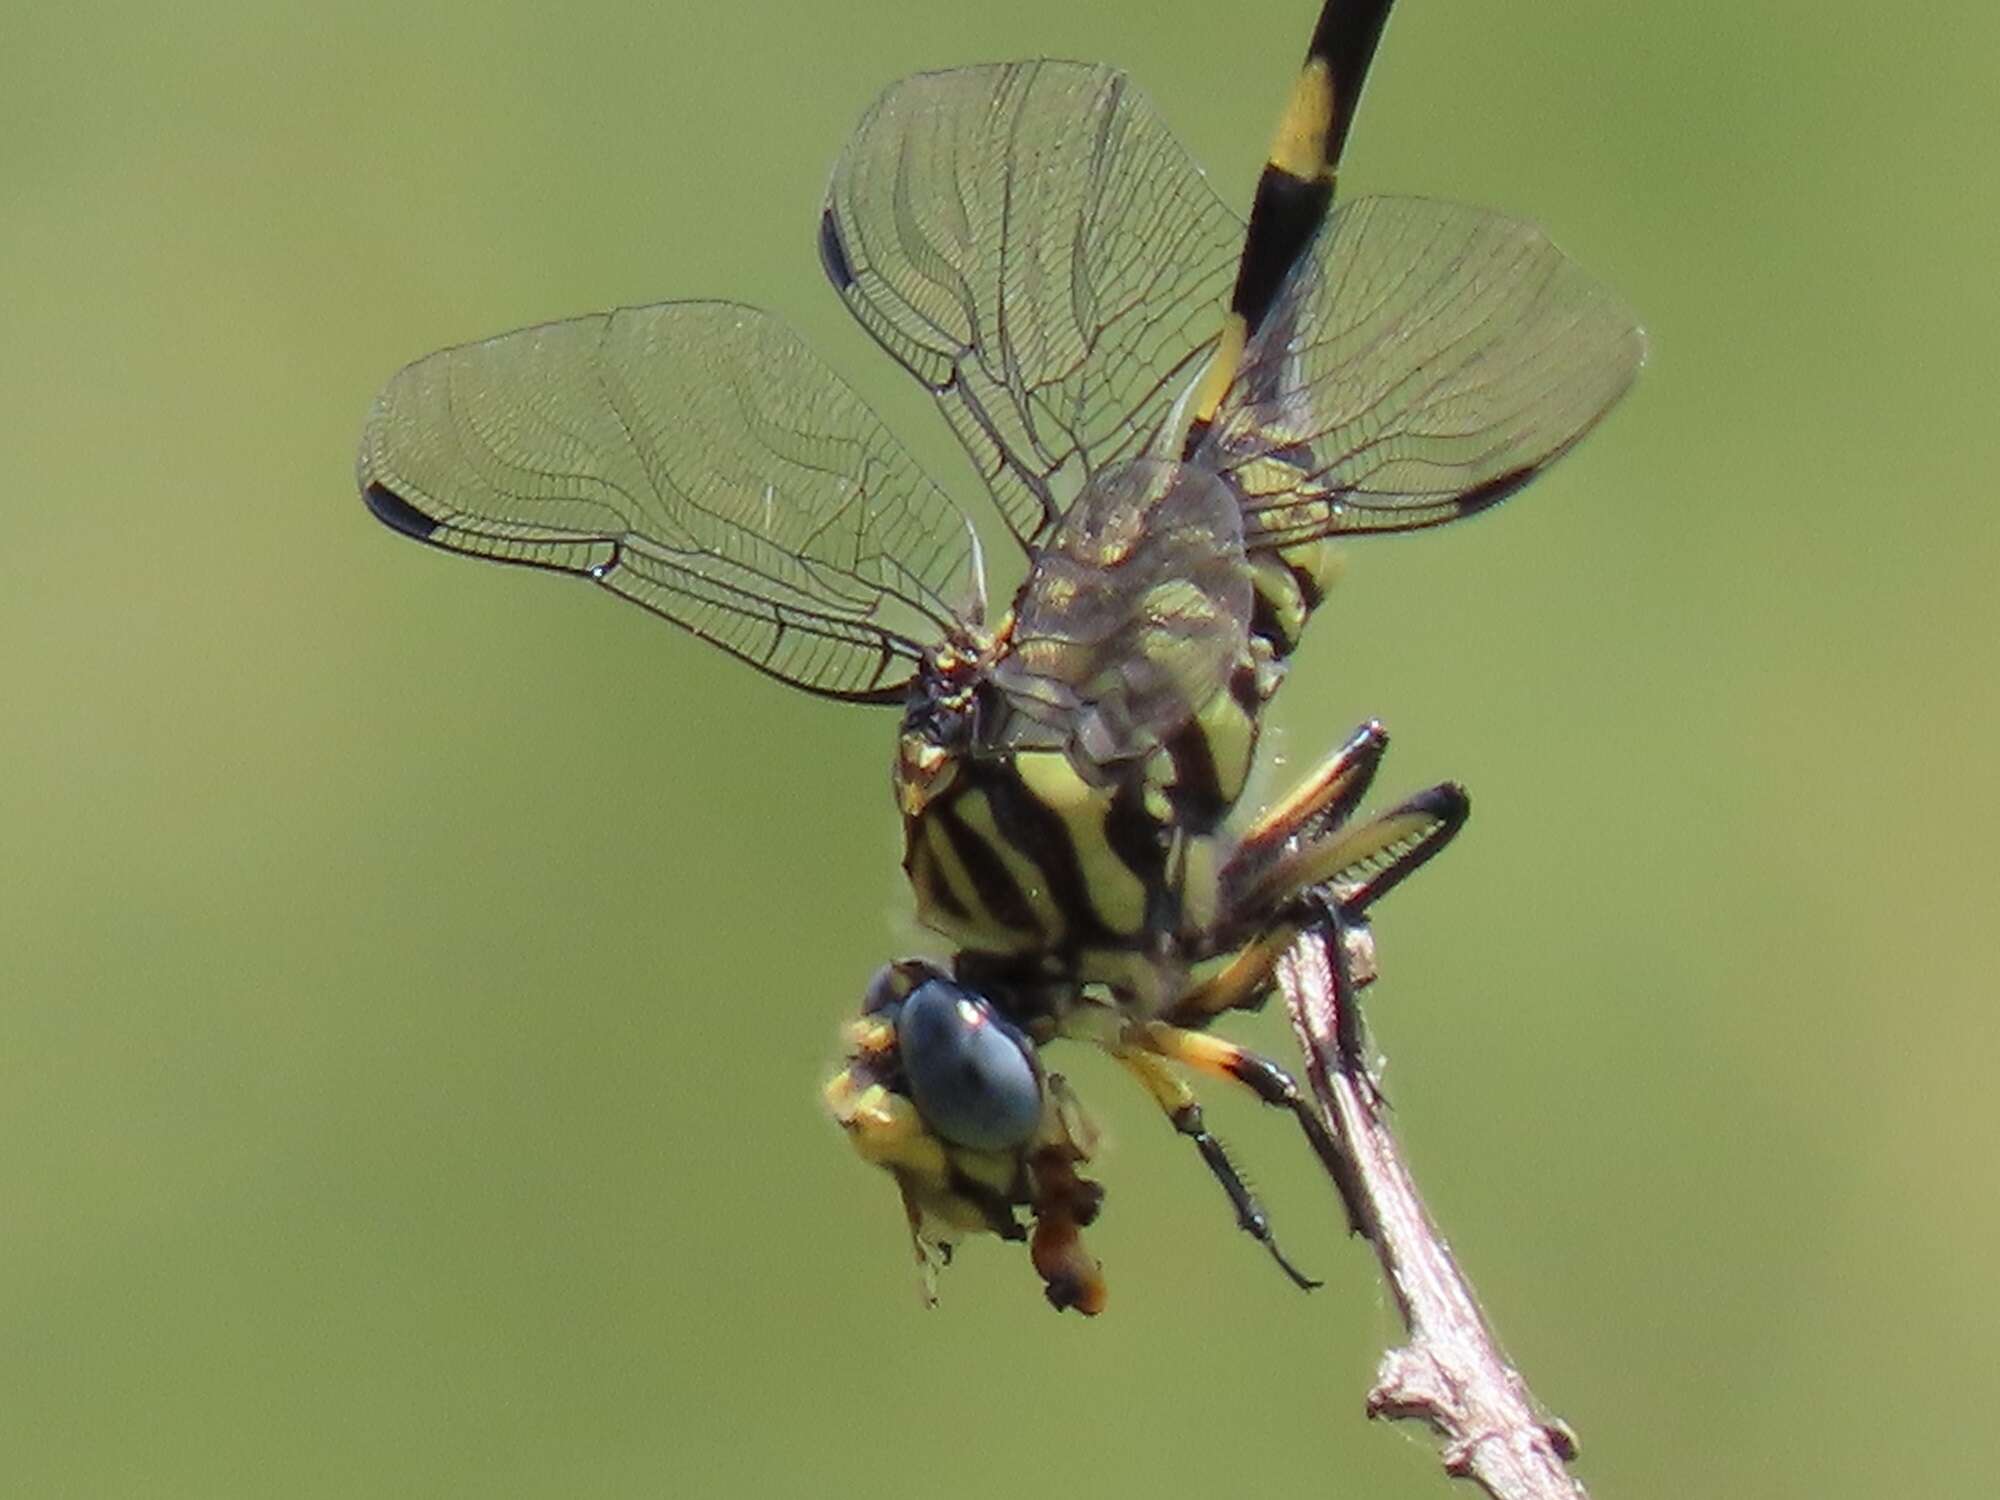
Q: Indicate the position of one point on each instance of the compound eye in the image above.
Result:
(970, 1073)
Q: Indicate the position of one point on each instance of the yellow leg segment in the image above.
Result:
(1224, 1059)
(1242, 982)
(1363, 862)
(1330, 793)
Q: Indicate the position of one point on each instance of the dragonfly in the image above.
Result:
(1177, 416)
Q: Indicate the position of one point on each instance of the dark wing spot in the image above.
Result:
(393, 511)
(833, 254)
(1493, 491)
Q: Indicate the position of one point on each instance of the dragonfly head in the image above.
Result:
(943, 1092)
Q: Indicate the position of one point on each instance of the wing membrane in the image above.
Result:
(695, 458)
(1032, 243)
(1136, 613)
(1425, 362)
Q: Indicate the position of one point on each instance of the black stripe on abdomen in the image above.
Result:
(1285, 215)
(1344, 39)
(1296, 188)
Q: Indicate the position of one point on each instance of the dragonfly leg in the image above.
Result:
(1224, 1059)
(1360, 864)
(1243, 981)
(1261, 876)
(1323, 799)
(1306, 855)
(1177, 1101)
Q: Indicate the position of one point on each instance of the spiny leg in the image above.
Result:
(1363, 863)
(1272, 1084)
(1318, 805)
(1177, 1101)
(1323, 800)
(1349, 869)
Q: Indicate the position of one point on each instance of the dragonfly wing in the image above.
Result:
(1423, 363)
(695, 458)
(1031, 242)
(1135, 615)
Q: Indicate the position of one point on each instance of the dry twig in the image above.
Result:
(1451, 1372)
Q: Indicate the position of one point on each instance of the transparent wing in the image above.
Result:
(1135, 615)
(695, 458)
(1425, 362)
(1033, 244)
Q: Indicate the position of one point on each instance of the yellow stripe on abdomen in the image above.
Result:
(1294, 192)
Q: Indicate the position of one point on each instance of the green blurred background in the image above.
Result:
(418, 976)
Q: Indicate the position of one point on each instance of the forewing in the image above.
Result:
(695, 458)
(1032, 243)
(1135, 615)
(1425, 362)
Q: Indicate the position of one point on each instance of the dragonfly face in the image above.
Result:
(1177, 416)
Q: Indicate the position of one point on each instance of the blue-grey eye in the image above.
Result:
(970, 1072)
